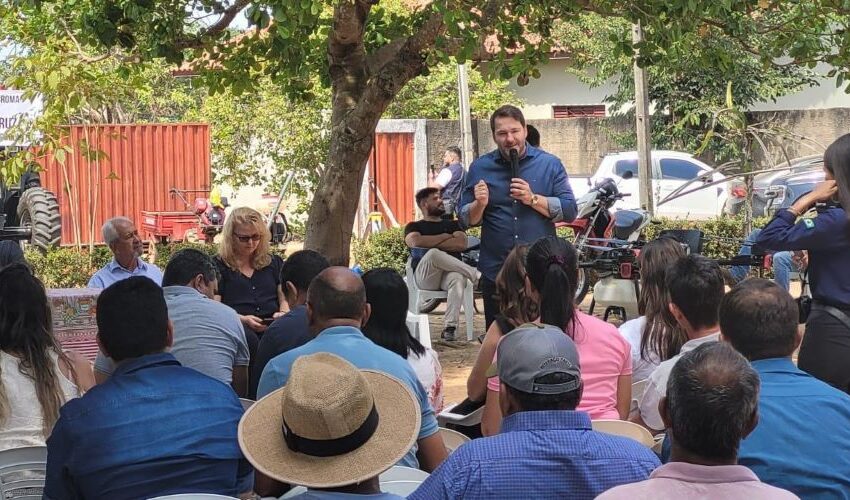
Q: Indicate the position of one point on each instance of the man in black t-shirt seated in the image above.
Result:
(435, 245)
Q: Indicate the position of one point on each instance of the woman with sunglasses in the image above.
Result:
(250, 274)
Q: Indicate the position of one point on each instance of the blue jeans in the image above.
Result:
(782, 263)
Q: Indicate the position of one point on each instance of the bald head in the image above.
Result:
(337, 293)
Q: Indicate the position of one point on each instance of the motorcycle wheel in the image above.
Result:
(582, 286)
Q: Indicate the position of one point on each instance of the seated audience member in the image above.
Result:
(208, 335)
(696, 287)
(552, 268)
(803, 434)
(386, 293)
(122, 237)
(154, 427)
(36, 377)
(290, 330)
(515, 308)
(11, 253)
(337, 310)
(546, 449)
(783, 263)
(711, 404)
(332, 428)
(654, 336)
(440, 267)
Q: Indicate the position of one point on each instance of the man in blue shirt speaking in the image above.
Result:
(512, 207)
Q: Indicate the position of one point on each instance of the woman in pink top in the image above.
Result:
(604, 355)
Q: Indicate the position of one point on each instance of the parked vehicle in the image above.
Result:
(597, 227)
(671, 170)
(30, 213)
(775, 190)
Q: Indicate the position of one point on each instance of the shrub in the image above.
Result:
(63, 267)
(383, 249)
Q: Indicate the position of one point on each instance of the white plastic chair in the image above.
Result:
(638, 388)
(453, 439)
(22, 473)
(416, 295)
(420, 328)
(246, 403)
(399, 480)
(194, 496)
(625, 429)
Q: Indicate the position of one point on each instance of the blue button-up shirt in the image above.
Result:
(827, 238)
(154, 428)
(802, 441)
(540, 454)
(508, 222)
(350, 344)
(114, 272)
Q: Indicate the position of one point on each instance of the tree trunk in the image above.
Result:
(335, 201)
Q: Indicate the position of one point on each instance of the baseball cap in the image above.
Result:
(532, 351)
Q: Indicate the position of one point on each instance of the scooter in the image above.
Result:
(597, 229)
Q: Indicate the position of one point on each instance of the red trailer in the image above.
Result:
(168, 226)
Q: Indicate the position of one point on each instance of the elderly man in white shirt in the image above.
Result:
(121, 235)
(696, 287)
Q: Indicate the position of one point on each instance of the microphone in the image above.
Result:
(514, 163)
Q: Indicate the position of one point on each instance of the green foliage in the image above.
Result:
(434, 96)
(383, 249)
(64, 267)
(687, 81)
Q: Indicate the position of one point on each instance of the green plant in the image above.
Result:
(383, 249)
(62, 267)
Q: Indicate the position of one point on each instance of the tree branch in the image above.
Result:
(227, 17)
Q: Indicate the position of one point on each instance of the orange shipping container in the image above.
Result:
(140, 164)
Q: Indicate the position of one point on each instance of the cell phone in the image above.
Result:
(267, 321)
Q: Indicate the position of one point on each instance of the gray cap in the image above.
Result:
(533, 351)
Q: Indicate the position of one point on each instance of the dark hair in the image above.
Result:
(836, 159)
(424, 193)
(301, 267)
(327, 301)
(533, 136)
(387, 325)
(712, 395)
(455, 151)
(696, 286)
(506, 111)
(543, 402)
(759, 318)
(132, 319)
(185, 264)
(26, 331)
(661, 334)
(10, 253)
(514, 303)
(552, 267)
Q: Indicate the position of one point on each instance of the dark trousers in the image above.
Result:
(491, 303)
(825, 353)
(253, 341)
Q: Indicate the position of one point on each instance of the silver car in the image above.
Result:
(775, 190)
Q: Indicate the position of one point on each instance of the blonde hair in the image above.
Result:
(245, 216)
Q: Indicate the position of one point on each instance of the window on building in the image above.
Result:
(569, 111)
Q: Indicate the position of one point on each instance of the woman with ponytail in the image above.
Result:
(606, 363)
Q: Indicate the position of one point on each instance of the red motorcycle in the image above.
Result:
(597, 229)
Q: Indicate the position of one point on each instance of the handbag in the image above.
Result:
(804, 302)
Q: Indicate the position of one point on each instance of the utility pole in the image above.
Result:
(465, 115)
(644, 144)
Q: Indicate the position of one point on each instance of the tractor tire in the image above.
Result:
(39, 210)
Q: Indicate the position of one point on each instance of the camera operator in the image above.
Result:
(826, 346)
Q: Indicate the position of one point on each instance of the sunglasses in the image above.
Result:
(246, 239)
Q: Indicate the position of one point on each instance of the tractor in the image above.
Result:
(30, 213)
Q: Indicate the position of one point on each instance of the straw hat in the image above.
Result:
(349, 425)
